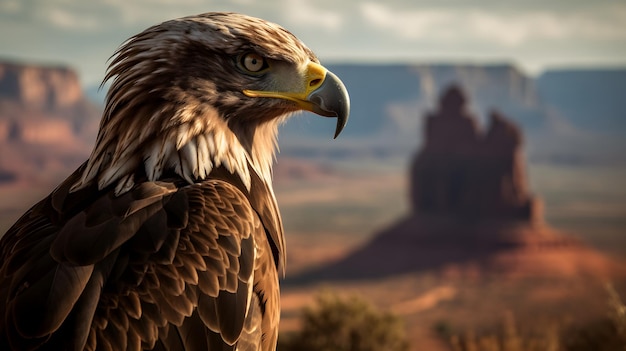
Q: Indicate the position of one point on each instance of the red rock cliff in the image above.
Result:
(464, 172)
(40, 87)
(46, 123)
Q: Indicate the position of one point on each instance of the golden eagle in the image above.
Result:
(169, 237)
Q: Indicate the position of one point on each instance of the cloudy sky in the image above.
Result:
(533, 34)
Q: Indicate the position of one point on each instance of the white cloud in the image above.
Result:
(407, 24)
(10, 6)
(502, 28)
(301, 12)
(532, 33)
(68, 20)
(513, 30)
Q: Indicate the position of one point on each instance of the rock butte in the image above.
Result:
(472, 212)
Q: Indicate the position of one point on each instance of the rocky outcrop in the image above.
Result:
(40, 87)
(45, 121)
(35, 100)
(472, 213)
(463, 172)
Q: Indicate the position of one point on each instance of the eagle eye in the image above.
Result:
(253, 62)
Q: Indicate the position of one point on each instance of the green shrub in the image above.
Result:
(351, 324)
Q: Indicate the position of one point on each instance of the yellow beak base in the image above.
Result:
(322, 92)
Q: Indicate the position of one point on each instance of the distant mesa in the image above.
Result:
(472, 212)
(38, 100)
(47, 124)
(39, 87)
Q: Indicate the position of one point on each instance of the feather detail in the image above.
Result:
(57, 293)
(154, 162)
(124, 184)
(205, 164)
(116, 171)
(182, 136)
(187, 155)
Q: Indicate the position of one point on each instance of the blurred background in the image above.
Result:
(477, 192)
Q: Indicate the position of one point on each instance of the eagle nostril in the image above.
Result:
(315, 82)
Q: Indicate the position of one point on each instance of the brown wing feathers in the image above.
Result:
(138, 265)
(109, 222)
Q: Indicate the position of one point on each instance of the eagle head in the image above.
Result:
(203, 91)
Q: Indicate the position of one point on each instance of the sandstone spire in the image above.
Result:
(464, 172)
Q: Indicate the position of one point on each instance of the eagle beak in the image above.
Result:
(331, 99)
(320, 91)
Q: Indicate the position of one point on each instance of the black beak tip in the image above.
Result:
(342, 120)
(331, 99)
(341, 107)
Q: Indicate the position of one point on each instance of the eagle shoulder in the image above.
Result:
(152, 266)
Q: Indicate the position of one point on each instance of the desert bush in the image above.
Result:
(617, 313)
(604, 334)
(507, 337)
(345, 324)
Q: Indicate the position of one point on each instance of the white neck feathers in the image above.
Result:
(191, 149)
